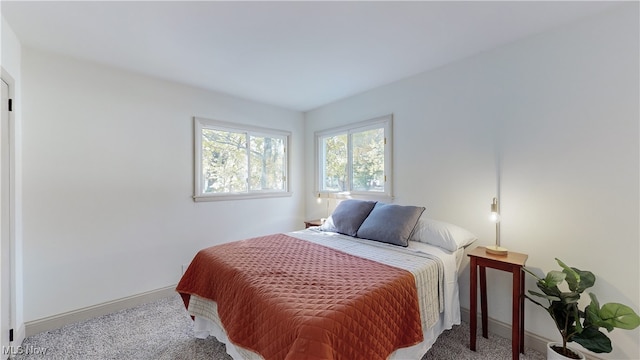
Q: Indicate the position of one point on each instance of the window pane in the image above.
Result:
(224, 161)
(356, 157)
(334, 166)
(267, 163)
(368, 160)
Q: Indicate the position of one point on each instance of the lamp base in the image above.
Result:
(496, 250)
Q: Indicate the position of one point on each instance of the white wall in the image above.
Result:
(10, 60)
(108, 180)
(555, 117)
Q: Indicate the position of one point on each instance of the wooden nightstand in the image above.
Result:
(308, 224)
(513, 263)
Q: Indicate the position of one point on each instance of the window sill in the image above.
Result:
(226, 197)
(372, 197)
(356, 195)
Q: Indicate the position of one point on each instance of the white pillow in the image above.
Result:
(439, 233)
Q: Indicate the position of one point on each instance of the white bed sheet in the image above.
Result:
(211, 325)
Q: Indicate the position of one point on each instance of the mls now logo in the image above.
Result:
(23, 350)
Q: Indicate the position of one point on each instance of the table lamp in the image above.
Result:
(495, 217)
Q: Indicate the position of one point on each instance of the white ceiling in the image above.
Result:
(298, 55)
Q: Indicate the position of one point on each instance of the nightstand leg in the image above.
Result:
(483, 301)
(515, 326)
(473, 318)
(521, 311)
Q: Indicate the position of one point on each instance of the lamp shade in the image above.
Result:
(494, 216)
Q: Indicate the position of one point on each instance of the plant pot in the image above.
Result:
(553, 355)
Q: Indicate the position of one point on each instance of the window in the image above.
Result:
(355, 158)
(236, 161)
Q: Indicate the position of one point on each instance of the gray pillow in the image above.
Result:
(391, 224)
(348, 216)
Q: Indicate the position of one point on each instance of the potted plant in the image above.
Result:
(581, 326)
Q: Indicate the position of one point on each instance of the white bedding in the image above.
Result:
(208, 323)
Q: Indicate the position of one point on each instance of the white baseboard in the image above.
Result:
(58, 321)
(531, 340)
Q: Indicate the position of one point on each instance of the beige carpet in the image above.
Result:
(163, 330)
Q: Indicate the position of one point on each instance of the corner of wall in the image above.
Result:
(10, 63)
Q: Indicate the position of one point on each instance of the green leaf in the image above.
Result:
(544, 296)
(594, 301)
(577, 279)
(563, 315)
(554, 278)
(572, 277)
(592, 314)
(552, 293)
(574, 317)
(570, 297)
(593, 340)
(619, 315)
(587, 280)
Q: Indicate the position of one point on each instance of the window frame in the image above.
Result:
(385, 122)
(200, 124)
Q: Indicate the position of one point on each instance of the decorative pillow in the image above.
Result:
(348, 216)
(439, 233)
(391, 224)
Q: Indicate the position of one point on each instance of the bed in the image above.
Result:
(328, 293)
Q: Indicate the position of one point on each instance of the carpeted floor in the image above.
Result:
(162, 330)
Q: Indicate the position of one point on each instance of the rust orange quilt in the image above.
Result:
(287, 298)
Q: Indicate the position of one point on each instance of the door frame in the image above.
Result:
(7, 195)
